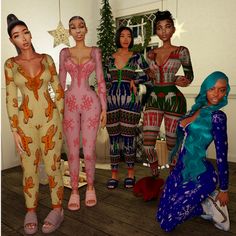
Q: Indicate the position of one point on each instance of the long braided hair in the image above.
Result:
(195, 144)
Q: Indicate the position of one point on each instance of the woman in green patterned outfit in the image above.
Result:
(166, 101)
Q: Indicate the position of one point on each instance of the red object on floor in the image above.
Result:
(148, 187)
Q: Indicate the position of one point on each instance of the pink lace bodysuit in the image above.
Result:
(82, 110)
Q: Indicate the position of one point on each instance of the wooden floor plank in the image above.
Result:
(7, 231)
(117, 213)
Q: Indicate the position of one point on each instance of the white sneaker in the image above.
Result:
(220, 213)
(206, 217)
(206, 205)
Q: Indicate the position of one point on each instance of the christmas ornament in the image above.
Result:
(60, 34)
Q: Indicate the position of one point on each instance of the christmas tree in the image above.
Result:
(106, 31)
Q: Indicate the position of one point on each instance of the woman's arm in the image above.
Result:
(219, 130)
(142, 76)
(12, 104)
(107, 75)
(101, 84)
(11, 95)
(57, 88)
(185, 59)
(62, 69)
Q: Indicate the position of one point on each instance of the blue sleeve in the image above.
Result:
(142, 64)
(219, 130)
(107, 75)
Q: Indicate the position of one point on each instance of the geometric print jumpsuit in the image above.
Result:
(165, 102)
(123, 107)
(38, 121)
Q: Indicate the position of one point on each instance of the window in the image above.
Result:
(140, 28)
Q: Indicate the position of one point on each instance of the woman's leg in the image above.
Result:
(90, 121)
(171, 122)
(89, 126)
(115, 154)
(30, 160)
(129, 153)
(71, 128)
(130, 114)
(175, 107)
(51, 144)
(113, 129)
(180, 202)
(151, 129)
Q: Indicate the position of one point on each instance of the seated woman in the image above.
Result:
(190, 189)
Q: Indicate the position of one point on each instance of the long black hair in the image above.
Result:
(118, 33)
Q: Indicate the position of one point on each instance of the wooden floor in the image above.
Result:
(118, 212)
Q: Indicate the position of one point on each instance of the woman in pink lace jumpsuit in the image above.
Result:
(84, 109)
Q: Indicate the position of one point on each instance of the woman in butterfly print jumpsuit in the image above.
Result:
(83, 107)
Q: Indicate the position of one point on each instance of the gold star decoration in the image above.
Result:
(61, 35)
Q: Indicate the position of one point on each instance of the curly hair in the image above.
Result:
(164, 15)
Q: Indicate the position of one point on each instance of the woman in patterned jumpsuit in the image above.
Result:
(166, 101)
(37, 124)
(84, 109)
(123, 112)
(190, 189)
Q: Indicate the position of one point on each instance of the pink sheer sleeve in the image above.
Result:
(100, 78)
(62, 69)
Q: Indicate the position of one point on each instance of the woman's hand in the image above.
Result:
(151, 55)
(151, 74)
(133, 87)
(103, 119)
(223, 198)
(18, 142)
(182, 81)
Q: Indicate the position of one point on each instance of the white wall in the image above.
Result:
(210, 36)
(40, 16)
(210, 31)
